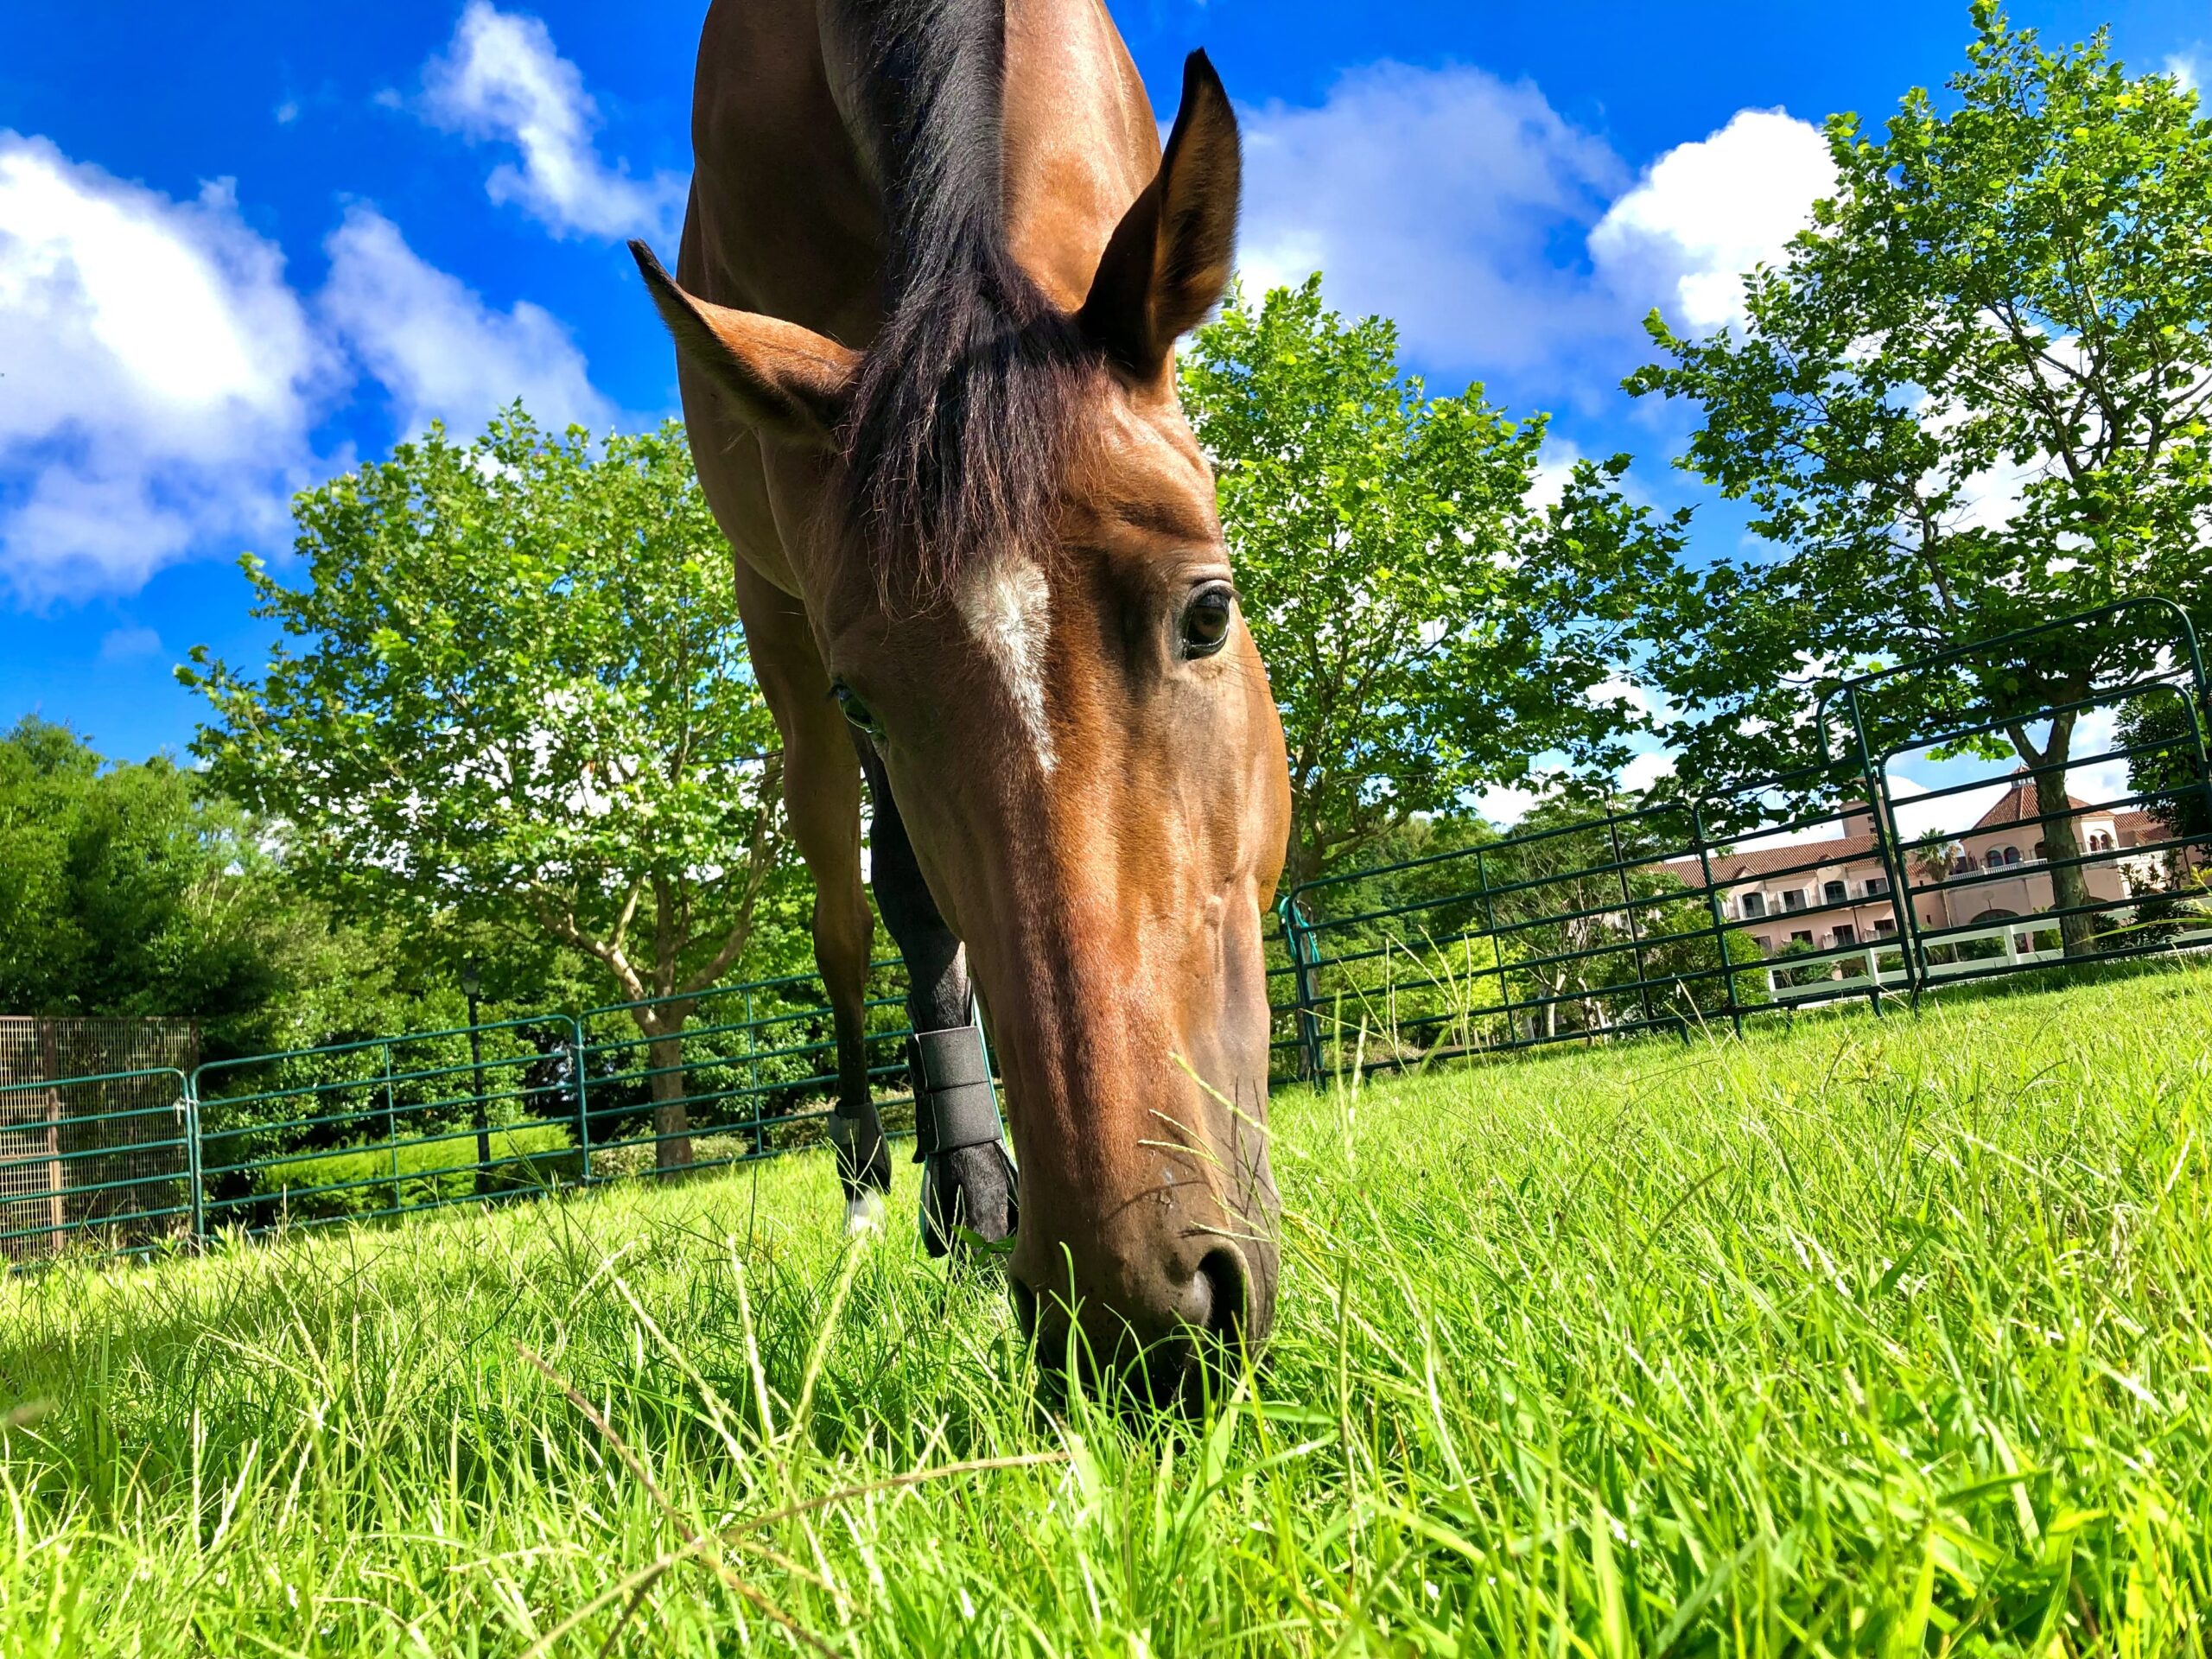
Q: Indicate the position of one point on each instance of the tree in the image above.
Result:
(1596, 928)
(1971, 398)
(1932, 860)
(1427, 630)
(2163, 765)
(519, 698)
(131, 890)
(138, 891)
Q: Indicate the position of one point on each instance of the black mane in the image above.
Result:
(956, 439)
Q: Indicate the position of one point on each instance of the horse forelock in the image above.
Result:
(958, 437)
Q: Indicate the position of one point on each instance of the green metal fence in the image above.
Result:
(1779, 893)
(396, 1125)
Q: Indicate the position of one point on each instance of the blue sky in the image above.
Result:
(242, 246)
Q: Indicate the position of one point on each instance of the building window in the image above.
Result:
(1845, 934)
(2042, 851)
(2100, 842)
(2012, 857)
(1795, 899)
(1765, 946)
(1753, 904)
(1877, 886)
(1836, 893)
(1885, 928)
(1992, 859)
(1801, 939)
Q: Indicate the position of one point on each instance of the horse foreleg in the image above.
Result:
(968, 1180)
(843, 935)
(822, 797)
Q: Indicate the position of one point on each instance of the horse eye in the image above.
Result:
(857, 711)
(1206, 619)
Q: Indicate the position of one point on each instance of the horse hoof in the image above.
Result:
(864, 1214)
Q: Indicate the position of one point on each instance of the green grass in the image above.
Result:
(1860, 1337)
(358, 1177)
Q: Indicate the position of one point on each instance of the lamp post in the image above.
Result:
(471, 984)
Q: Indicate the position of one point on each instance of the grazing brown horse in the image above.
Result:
(933, 271)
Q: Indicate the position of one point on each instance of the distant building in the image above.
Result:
(1829, 895)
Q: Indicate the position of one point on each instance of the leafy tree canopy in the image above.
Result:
(138, 891)
(1427, 628)
(512, 693)
(1971, 399)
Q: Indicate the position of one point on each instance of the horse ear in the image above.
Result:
(1170, 257)
(787, 381)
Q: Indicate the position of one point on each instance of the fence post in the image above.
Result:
(1309, 1024)
(1496, 952)
(196, 1188)
(1628, 907)
(1875, 782)
(391, 1128)
(752, 1069)
(583, 1105)
(481, 1108)
(1719, 917)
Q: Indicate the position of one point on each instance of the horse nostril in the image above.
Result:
(1222, 1273)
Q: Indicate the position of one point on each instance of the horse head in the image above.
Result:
(1017, 578)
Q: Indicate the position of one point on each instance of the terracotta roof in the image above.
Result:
(2017, 805)
(1804, 858)
(2136, 826)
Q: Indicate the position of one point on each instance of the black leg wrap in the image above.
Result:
(968, 1181)
(954, 1106)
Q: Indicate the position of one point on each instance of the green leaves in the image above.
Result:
(515, 694)
(1968, 402)
(1426, 628)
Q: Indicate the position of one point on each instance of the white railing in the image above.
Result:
(2020, 951)
(1867, 959)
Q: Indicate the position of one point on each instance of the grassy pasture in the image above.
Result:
(1860, 1336)
(425, 1168)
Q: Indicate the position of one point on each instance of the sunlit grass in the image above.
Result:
(1860, 1336)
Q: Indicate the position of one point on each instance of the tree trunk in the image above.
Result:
(671, 1116)
(2070, 882)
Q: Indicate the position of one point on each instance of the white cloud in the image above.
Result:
(1947, 814)
(1647, 769)
(1506, 805)
(1622, 691)
(1705, 212)
(1555, 465)
(159, 376)
(2186, 68)
(1443, 199)
(130, 644)
(2097, 732)
(1432, 197)
(159, 379)
(501, 80)
(437, 347)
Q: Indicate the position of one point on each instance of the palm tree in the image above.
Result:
(1932, 859)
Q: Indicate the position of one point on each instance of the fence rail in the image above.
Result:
(1784, 893)
(1679, 912)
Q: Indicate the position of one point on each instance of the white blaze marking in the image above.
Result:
(1007, 605)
